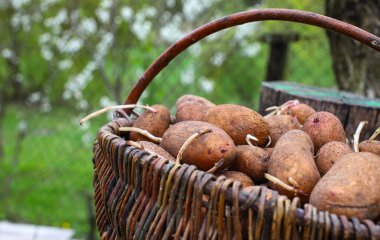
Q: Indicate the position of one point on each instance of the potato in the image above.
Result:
(280, 124)
(155, 149)
(194, 99)
(372, 146)
(301, 111)
(251, 161)
(191, 112)
(206, 150)
(154, 122)
(329, 154)
(292, 158)
(238, 121)
(269, 150)
(324, 127)
(351, 187)
(237, 176)
(192, 108)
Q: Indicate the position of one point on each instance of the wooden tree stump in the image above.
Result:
(349, 108)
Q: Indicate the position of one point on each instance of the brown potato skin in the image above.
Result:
(324, 127)
(269, 150)
(329, 154)
(155, 123)
(206, 150)
(245, 180)
(351, 187)
(293, 157)
(191, 112)
(238, 121)
(252, 161)
(372, 146)
(155, 149)
(301, 111)
(193, 99)
(280, 124)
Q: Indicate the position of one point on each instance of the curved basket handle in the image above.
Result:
(244, 17)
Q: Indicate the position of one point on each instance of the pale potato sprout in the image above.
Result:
(280, 183)
(110, 108)
(188, 142)
(250, 137)
(357, 135)
(375, 134)
(142, 132)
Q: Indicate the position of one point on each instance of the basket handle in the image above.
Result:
(244, 17)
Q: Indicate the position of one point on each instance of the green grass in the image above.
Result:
(54, 172)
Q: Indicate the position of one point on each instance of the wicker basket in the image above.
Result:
(142, 196)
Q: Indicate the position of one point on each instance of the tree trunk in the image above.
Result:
(355, 65)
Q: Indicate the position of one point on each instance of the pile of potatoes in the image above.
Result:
(294, 150)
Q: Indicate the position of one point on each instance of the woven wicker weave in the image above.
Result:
(143, 196)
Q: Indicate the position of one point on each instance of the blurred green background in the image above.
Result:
(60, 60)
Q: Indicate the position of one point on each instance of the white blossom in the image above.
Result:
(45, 4)
(56, 21)
(22, 125)
(141, 27)
(44, 38)
(45, 105)
(17, 4)
(170, 3)
(35, 97)
(106, 102)
(88, 26)
(206, 84)
(7, 53)
(251, 50)
(103, 15)
(245, 30)
(172, 30)
(18, 20)
(126, 13)
(20, 78)
(46, 53)
(75, 85)
(82, 104)
(192, 8)
(188, 75)
(70, 45)
(103, 47)
(218, 58)
(106, 3)
(195, 49)
(215, 36)
(149, 11)
(65, 64)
